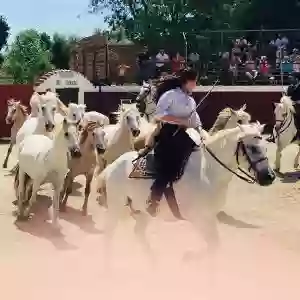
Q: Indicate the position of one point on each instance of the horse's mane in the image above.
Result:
(122, 113)
(221, 121)
(90, 126)
(22, 107)
(288, 102)
(221, 135)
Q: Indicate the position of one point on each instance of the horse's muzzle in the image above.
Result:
(75, 153)
(135, 132)
(265, 178)
(49, 126)
(8, 121)
(100, 150)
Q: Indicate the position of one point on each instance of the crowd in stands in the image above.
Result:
(247, 61)
(256, 61)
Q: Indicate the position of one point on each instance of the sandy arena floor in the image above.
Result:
(259, 257)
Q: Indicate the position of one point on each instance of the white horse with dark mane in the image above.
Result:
(285, 130)
(201, 191)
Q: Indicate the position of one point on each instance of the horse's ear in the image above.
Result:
(262, 127)
(243, 108)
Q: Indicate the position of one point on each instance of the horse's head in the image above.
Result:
(144, 101)
(74, 113)
(11, 111)
(240, 115)
(132, 120)
(282, 110)
(82, 108)
(47, 109)
(71, 137)
(251, 153)
(94, 135)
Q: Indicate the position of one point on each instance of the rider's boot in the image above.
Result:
(154, 199)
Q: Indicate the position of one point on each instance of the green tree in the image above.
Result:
(61, 51)
(4, 32)
(46, 41)
(269, 14)
(26, 59)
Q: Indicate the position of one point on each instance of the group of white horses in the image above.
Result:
(57, 143)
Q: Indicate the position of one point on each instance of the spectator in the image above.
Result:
(194, 59)
(178, 63)
(122, 69)
(287, 65)
(284, 42)
(142, 62)
(162, 58)
(264, 67)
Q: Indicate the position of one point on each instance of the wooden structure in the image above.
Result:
(70, 85)
(97, 58)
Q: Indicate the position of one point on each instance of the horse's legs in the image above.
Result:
(296, 160)
(142, 221)
(11, 145)
(57, 182)
(35, 187)
(21, 186)
(66, 191)
(278, 159)
(205, 225)
(89, 178)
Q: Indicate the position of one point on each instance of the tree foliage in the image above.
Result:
(61, 51)
(4, 32)
(164, 21)
(27, 58)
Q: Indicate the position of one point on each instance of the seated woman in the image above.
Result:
(175, 112)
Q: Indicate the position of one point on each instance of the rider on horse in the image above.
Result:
(175, 112)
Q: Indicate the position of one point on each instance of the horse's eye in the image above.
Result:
(254, 150)
(66, 134)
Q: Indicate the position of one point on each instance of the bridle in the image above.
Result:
(142, 99)
(284, 124)
(252, 165)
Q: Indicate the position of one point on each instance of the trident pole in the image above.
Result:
(185, 47)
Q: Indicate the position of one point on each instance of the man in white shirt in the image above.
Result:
(162, 58)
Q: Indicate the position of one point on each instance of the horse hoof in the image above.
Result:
(23, 218)
(4, 166)
(84, 212)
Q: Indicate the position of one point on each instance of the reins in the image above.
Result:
(252, 179)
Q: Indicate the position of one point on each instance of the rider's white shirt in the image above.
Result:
(180, 105)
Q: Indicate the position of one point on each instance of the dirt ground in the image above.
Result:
(259, 256)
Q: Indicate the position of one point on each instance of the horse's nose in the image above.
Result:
(49, 126)
(75, 153)
(99, 149)
(8, 120)
(136, 132)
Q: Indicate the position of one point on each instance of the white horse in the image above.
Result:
(120, 137)
(92, 116)
(201, 190)
(41, 160)
(43, 123)
(285, 129)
